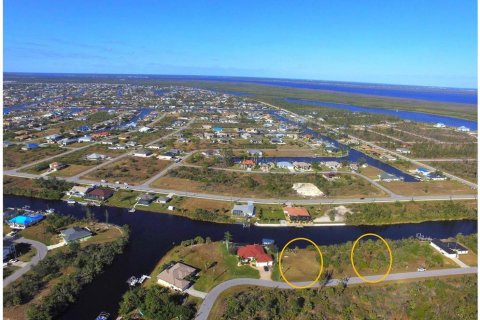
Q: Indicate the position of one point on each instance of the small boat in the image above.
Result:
(267, 242)
(103, 316)
(132, 281)
(143, 278)
(131, 210)
(71, 201)
(50, 211)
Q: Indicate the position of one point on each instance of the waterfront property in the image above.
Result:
(246, 210)
(175, 277)
(75, 234)
(25, 221)
(449, 249)
(297, 214)
(255, 253)
(99, 194)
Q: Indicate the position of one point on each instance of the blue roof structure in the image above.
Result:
(26, 220)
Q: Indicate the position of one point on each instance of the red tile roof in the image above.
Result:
(254, 251)
(296, 212)
(248, 162)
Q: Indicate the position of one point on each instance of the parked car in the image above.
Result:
(266, 268)
(421, 269)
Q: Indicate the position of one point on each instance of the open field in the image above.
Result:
(132, 170)
(261, 185)
(433, 300)
(14, 157)
(423, 188)
(213, 261)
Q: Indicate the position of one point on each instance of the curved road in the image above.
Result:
(212, 296)
(41, 253)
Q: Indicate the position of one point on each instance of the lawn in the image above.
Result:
(269, 213)
(463, 169)
(213, 261)
(133, 170)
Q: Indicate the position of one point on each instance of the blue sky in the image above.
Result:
(403, 42)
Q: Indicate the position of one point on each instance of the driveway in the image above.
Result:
(41, 253)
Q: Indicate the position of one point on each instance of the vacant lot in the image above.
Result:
(371, 258)
(76, 161)
(261, 185)
(132, 170)
(213, 261)
(14, 157)
(424, 188)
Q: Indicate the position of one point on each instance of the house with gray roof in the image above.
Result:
(246, 210)
(75, 233)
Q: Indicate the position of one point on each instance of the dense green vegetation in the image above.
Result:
(46, 188)
(443, 298)
(403, 212)
(271, 184)
(431, 150)
(83, 265)
(470, 241)
(155, 302)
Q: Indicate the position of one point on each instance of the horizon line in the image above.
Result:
(243, 77)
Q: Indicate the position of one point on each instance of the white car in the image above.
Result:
(421, 269)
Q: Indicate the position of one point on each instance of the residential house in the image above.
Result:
(302, 166)
(255, 253)
(96, 157)
(449, 249)
(403, 150)
(54, 166)
(75, 234)
(30, 146)
(297, 214)
(285, 165)
(99, 194)
(332, 165)
(255, 153)
(142, 153)
(247, 164)
(246, 210)
(146, 199)
(463, 129)
(79, 191)
(85, 139)
(176, 277)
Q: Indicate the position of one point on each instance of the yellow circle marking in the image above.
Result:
(280, 264)
(389, 252)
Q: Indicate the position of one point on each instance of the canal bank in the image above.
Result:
(153, 234)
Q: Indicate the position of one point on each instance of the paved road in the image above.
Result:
(212, 296)
(41, 253)
(447, 159)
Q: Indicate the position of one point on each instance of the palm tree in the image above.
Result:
(227, 237)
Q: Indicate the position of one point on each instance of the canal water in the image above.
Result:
(353, 154)
(402, 114)
(153, 234)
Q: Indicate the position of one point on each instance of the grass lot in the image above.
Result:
(213, 261)
(123, 198)
(261, 185)
(463, 169)
(14, 157)
(132, 170)
(443, 298)
(371, 258)
(370, 172)
(425, 188)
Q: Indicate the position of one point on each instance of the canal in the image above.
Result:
(153, 234)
